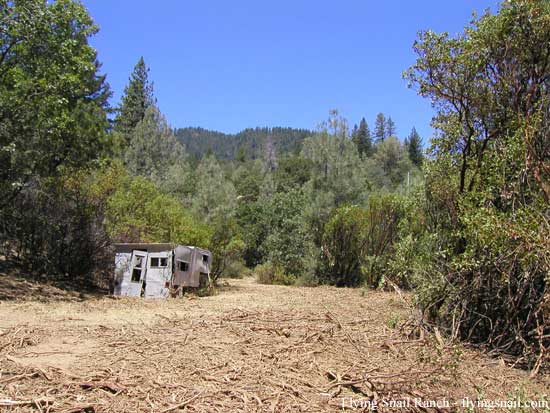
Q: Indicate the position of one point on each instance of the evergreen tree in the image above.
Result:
(380, 128)
(390, 127)
(153, 147)
(362, 138)
(389, 166)
(215, 196)
(337, 173)
(354, 134)
(414, 147)
(138, 97)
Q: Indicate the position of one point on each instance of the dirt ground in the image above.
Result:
(253, 348)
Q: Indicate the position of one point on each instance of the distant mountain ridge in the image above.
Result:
(249, 142)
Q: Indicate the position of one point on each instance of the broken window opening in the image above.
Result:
(183, 266)
(136, 275)
(159, 262)
(205, 258)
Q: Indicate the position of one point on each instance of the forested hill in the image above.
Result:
(248, 143)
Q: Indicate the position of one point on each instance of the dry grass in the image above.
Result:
(251, 348)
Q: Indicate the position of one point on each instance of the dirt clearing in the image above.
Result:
(250, 348)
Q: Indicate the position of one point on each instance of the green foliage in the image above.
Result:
(288, 244)
(237, 269)
(413, 144)
(383, 216)
(247, 144)
(393, 321)
(359, 243)
(380, 131)
(293, 172)
(274, 229)
(269, 273)
(226, 246)
(137, 99)
(213, 195)
(390, 127)
(338, 175)
(152, 151)
(247, 179)
(179, 181)
(337, 170)
(138, 212)
(362, 139)
(390, 164)
(58, 224)
(254, 225)
(308, 279)
(487, 187)
(344, 245)
(52, 99)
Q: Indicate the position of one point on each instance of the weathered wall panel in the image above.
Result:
(151, 270)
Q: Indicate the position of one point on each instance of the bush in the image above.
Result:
(307, 280)
(496, 292)
(358, 242)
(236, 269)
(344, 246)
(384, 215)
(269, 273)
(137, 211)
(226, 247)
(288, 244)
(57, 224)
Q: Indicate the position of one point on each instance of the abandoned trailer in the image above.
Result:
(155, 270)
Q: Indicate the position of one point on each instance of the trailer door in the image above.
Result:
(138, 270)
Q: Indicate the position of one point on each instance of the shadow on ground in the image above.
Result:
(16, 284)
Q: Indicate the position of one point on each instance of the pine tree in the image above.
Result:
(354, 134)
(390, 128)
(380, 128)
(138, 97)
(414, 147)
(153, 147)
(362, 138)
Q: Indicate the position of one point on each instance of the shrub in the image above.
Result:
(269, 273)
(288, 244)
(236, 269)
(384, 214)
(497, 291)
(344, 245)
(137, 211)
(226, 246)
(358, 242)
(58, 225)
(308, 279)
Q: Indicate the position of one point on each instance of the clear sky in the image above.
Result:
(227, 65)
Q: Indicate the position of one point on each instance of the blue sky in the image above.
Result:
(228, 65)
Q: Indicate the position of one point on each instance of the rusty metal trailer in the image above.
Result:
(153, 270)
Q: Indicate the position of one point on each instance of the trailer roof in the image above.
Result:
(119, 247)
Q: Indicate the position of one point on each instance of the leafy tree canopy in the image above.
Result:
(53, 101)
